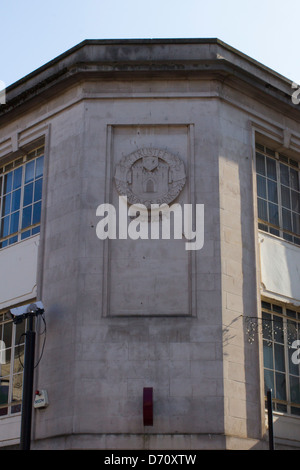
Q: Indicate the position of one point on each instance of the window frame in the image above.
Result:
(12, 407)
(286, 405)
(34, 227)
(267, 226)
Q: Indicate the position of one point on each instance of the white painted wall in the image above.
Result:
(280, 269)
(286, 429)
(18, 271)
(10, 428)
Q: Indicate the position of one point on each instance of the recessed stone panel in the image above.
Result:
(149, 275)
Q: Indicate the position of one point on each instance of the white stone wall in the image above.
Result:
(206, 378)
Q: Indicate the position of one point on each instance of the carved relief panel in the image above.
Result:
(150, 176)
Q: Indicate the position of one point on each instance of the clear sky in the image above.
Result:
(32, 32)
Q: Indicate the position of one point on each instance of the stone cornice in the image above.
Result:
(148, 59)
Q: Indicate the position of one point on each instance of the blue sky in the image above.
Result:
(33, 32)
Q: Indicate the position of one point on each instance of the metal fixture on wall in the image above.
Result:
(148, 406)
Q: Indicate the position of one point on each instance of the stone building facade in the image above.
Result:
(190, 313)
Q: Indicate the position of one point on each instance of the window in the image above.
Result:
(278, 194)
(21, 183)
(281, 327)
(12, 341)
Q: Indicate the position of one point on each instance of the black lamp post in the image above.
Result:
(19, 315)
(270, 419)
(28, 385)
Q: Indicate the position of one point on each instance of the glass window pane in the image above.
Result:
(20, 336)
(7, 183)
(291, 313)
(287, 237)
(284, 174)
(272, 191)
(286, 219)
(4, 387)
(17, 178)
(39, 167)
(269, 380)
(295, 411)
(281, 407)
(295, 389)
(276, 308)
(261, 187)
(36, 213)
(7, 334)
(295, 201)
(294, 177)
(14, 222)
(21, 191)
(292, 331)
(279, 357)
(15, 201)
(273, 214)
(267, 327)
(29, 171)
(274, 231)
(13, 240)
(285, 197)
(38, 190)
(25, 234)
(280, 386)
(262, 209)
(278, 329)
(6, 204)
(268, 355)
(296, 223)
(271, 168)
(4, 227)
(270, 152)
(16, 408)
(26, 218)
(36, 230)
(28, 194)
(260, 164)
(263, 227)
(294, 163)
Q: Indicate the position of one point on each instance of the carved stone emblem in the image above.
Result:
(150, 176)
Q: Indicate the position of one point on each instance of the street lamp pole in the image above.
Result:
(19, 314)
(28, 385)
(270, 419)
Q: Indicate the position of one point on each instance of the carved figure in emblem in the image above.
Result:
(150, 176)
